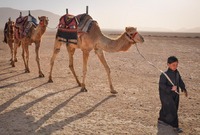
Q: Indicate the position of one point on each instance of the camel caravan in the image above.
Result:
(76, 32)
(25, 32)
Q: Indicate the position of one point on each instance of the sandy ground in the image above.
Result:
(31, 106)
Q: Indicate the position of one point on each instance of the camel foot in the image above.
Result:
(11, 59)
(27, 71)
(50, 81)
(41, 75)
(113, 91)
(12, 63)
(84, 89)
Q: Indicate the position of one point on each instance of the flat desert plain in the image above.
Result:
(31, 106)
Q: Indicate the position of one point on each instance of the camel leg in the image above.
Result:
(71, 63)
(16, 45)
(25, 48)
(37, 47)
(85, 60)
(14, 57)
(57, 46)
(23, 57)
(103, 61)
(11, 51)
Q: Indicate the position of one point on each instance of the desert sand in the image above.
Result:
(31, 106)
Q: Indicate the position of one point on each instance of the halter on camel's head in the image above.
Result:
(43, 21)
(133, 36)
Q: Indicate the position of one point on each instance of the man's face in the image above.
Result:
(173, 66)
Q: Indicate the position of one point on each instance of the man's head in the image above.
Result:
(172, 63)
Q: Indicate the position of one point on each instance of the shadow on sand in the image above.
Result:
(8, 103)
(59, 125)
(18, 122)
(12, 76)
(164, 129)
(13, 84)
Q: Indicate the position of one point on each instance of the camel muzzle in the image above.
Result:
(142, 39)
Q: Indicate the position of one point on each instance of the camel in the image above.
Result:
(34, 36)
(97, 41)
(9, 35)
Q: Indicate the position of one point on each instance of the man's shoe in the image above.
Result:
(179, 130)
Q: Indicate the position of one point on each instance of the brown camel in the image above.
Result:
(94, 39)
(34, 35)
(9, 35)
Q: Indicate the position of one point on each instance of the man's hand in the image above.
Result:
(174, 88)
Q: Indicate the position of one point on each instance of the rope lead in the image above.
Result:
(156, 68)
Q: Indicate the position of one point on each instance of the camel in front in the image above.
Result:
(96, 40)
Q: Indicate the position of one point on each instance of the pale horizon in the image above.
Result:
(171, 15)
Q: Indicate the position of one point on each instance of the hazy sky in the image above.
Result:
(117, 14)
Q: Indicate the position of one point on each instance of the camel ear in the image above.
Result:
(39, 17)
(126, 28)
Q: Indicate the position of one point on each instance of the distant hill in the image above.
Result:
(195, 29)
(5, 13)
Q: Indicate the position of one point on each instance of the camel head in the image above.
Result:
(133, 36)
(43, 21)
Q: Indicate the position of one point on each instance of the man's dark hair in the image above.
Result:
(172, 59)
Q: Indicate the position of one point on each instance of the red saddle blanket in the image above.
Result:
(69, 26)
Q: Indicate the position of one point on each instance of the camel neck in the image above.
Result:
(39, 31)
(114, 45)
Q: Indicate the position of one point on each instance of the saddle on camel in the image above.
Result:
(70, 27)
(24, 24)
